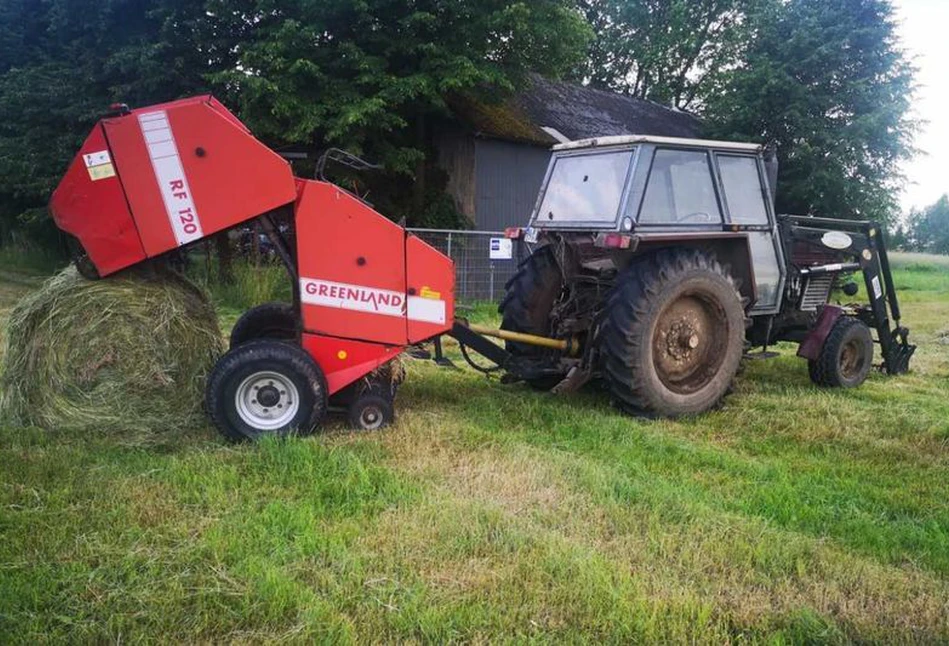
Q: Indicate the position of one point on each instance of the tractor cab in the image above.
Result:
(648, 190)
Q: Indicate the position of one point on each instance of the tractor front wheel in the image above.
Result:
(266, 387)
(673, 335)
(846, 356)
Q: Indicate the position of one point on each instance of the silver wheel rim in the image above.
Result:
(267, 400)
(371, 417)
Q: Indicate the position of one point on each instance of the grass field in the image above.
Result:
(494, 513)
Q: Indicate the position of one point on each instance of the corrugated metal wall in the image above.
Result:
(507, 178)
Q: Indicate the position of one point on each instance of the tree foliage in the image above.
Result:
(827, 81)
(356, 73)
(928, 229)
(363, 74)
(674, 52)
(824, 79)
(62, 62)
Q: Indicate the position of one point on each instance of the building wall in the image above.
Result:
(456, 156)
(507, 178)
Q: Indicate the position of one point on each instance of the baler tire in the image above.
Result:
(673, 336)
(371, 412)
(284, 364)
(527, 304)
(846, 357)
(81, 260)
(276, 321)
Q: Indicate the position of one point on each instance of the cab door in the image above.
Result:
(747, 203)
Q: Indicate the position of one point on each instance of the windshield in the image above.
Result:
(585, 188)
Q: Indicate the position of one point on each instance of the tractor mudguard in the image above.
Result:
(811, 345)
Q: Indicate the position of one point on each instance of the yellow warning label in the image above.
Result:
(102, 171)
(427, 292)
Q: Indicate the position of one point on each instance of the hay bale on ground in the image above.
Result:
(127, 353)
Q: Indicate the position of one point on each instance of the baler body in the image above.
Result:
(155, 179)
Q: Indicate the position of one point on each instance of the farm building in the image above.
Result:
(495, 155)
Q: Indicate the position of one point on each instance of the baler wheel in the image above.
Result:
(846, 356)
(266, 387)
(370, 412)
(526, 307)
(80, 259)
(673, 336)
(277, 321)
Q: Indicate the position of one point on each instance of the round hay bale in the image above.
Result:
(127, 353)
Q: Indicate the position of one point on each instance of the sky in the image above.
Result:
(923, 30)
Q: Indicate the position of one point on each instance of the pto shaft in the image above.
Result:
(569, 346)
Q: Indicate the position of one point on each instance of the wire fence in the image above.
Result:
(478, 277)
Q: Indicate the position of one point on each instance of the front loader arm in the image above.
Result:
(866, 252)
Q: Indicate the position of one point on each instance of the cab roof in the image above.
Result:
(620, 140)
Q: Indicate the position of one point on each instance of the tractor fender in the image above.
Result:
(730, 248)
(811, 346)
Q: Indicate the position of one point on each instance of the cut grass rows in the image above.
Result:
(494, 513)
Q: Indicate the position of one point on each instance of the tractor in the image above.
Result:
(656, 263)
(660, 262)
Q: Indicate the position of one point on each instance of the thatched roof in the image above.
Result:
(576, 111)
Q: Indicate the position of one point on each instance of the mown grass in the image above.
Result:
(494, 513)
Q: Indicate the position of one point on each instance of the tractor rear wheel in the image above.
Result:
(276, 321)
(266, 387)
(530, 298)
(846, 356)
(673, 336)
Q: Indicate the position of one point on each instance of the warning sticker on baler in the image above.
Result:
(99, 165)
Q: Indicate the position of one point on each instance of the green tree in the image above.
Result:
(673, 52)
(373, 76)
(370, 75)
(62, 62)
(929, 227)
(827, 81)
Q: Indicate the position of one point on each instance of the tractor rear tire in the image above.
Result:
(673, 335)
(277, 321)
(846, 356)
(266, 387)
(526, 307)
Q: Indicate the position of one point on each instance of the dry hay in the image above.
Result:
(127, 353)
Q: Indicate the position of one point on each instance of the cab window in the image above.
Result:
(680, 190)
(744, 193)
(585, 188)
